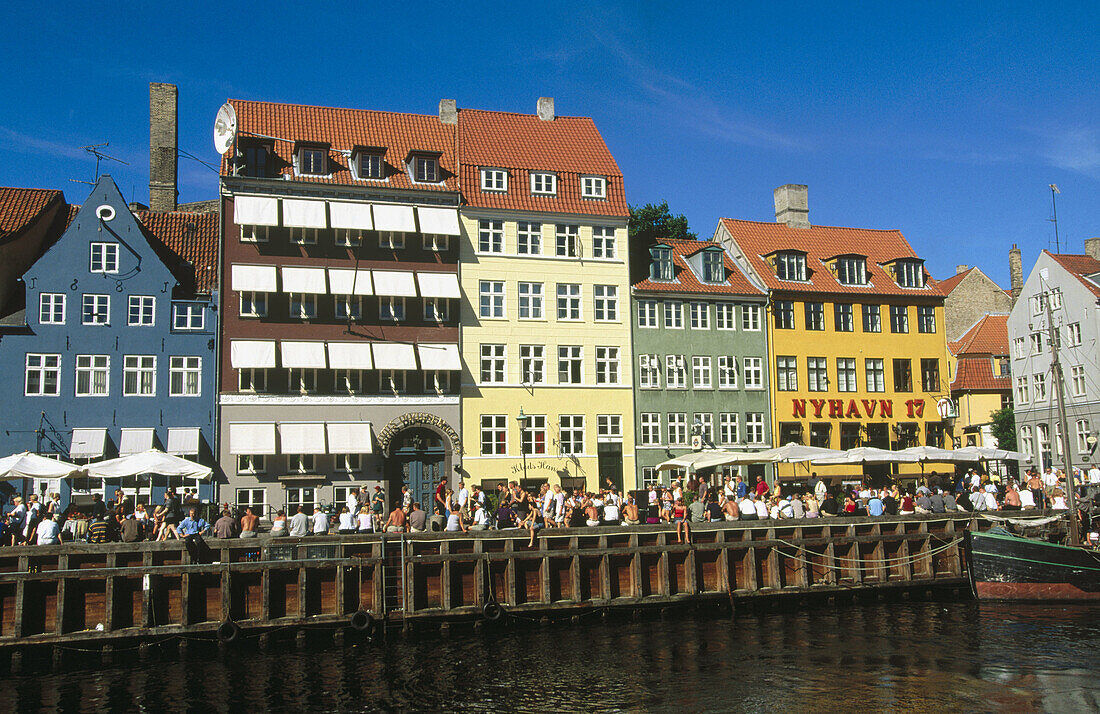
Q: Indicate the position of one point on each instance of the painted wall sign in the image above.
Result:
(855, 408)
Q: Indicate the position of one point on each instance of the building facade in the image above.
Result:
(982, 379)
(339, 346)
(547, 385)
(701, 378)
(115, 351)
(970, 295)
(29, 219)
(855, 334)
(1069, 285)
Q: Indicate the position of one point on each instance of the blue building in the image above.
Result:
(113, 350)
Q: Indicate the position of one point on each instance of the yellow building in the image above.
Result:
(856, 343)
(547, 386)
(982, 382)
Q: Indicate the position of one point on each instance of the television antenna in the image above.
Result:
(1054, 217)
(96, 150)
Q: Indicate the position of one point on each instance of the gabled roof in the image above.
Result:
(975, 374)
(20, 207)
(988, 336)
(757, 239)
(192, 237)
(951, 283)
(571, 147)
(1079, 265)
(343, 130)
(685, 280)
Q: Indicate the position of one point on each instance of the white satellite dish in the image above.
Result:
(225, 128)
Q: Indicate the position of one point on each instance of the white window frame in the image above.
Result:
(698, 315)
(1040, 384)
(303, 236)
(494, 364)
(1022, 392)
(594, 187)
(494, 434)
(1073, 334)
(847, 379)
(189, 370)
(91, 366)
(140, 368)
(392, 381)
(532, 364)
(713, 267)
(51, 308)
(571, 433)
(649, 432)
(491, 301)
(141, 311)
(437, 309)
(255, 234)
(753, 373)
(106, 255)
(607, 365)
(94, 300)
(569, 302)
(544, 183)
(567, 241)
(38, 363)
(571, 358)
(729, 428)
(391, 240)
(609, 428)
(605, 300)
(490, 236)
(674, 315)
(750, 318)
(754, 427)
(345, 306)
(791, 266)
(188, 311)
(702, 375)
(494, 180)
(252, 380)
(253, 303)
(649, 372)
(725, 316)
(678, 431)
(1082, 428)
(302, 306)
(301, 380)
(647, 314)
(1077, 380)
(435, 242)
(391, 308)
(875, 374)
(675, 372)
(528, 238)
(910, 274)
(786, 373)
(603, 243)
(531, 299)
(727, 372)
(529, 442)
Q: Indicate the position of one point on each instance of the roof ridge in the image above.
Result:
(343, 109)
(816, 225)
(522, 114)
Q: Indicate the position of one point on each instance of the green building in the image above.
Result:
(701, 356)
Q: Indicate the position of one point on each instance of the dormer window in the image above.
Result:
(312, 160)
(909, 273)
(424, 167)
(544, 183)
(660, 268)
(593, 187)
(851, 270)
(790, 265)
(495, 180)
(368, 163)
(257, 160)
(714, 271)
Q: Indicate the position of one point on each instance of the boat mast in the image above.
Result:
(1063, 426)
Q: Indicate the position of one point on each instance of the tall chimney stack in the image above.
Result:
(163, 143)
(545, 108)
(960, 269)
(1016, 271)
(448, 111)
(1092, 248)
(792, 205)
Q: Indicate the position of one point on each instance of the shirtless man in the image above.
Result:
(591, 513)
(631, 517)
(248, 523)
(730, 511)
(1035, 484)
(397, 520)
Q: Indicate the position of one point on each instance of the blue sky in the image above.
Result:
(945, 122)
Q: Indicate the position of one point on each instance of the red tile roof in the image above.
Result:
(951, 283)
(686, 281)
(758, 239)
(975, 374)
(1079, 265)
(345, 129)
(988, 336)
(193, 237)
(20, 207)
(571, 147)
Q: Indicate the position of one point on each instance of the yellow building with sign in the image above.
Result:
(856, 342)
(547, 385)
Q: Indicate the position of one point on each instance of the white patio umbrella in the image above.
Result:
(153, 461)
(795, 453)
(933, 454)
(868, 455)
(988, 453)
(689, 461)
(31, 466)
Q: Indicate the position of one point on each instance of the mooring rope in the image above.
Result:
(901, 559)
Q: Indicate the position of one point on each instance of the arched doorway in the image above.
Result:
(417, 457)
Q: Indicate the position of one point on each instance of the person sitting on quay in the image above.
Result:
(299, 523)
(193, 524)
(279, 525)
(131, 530)
(346, 522)
(418, 519)
(730, 510)
(1027, 498)
(397, 521)
(481, 517)
(48, 532)
(747, 507)
(631, 515)
(680, 518)
(611, 514)
(226, 525)
(364, 520)
(320, 522)
(249, 522)
(99, 531)
(1012, 498)
(714, 509)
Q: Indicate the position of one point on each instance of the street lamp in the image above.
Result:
(522, 419)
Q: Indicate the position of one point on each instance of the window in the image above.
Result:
(494, 180)
(930, 375)
(815, 316)
(348, 381)
(304, 496)
(188, 316)
(528, 238)
(567, 242)
(43, 375)
(533, 434)
(303, 306)
(185, 376)
(660, 266)
(391, 309)
(750, 318)
(843, 320)
(728, 427)
(346, 463)
(253, 304)
(593, 187)
(569, 301)
(254, 234)
(754, 373)
(1021, 390)
(1073, 334)
(846, 374)
(926, 318)
(790, 432)
(543, 183)
(607, 365)
(532, 364)
(849, 435)
(606, 298)
(701, 373)
(435, 242)
(872, 318)
(754, 427)
(1056, 299)
(426, 169)
(647, 313)
(570, 365)
(650, 428)
(311, 160)
(139, 375)
(674, 315)
(821, 434)
(255, 160)
(95, 309)
(490, 236)
(1082, 427)
(370, 165)
(727, 372)
(530, 301)
(790, 266)
(603, 242)
(609, 428)
(1019, 347)
(910, 273)
(491, 298)
(304, 236)
(1037, 342)
(677, 428)
(1026, 445)
(786, 374)
(699, 316)
(391, 240)
(876, 376)
(392, 381)
(675, 372)
(437, 309)
(104, 258)
(1040, 382)
(903, 375)
(250, 463)
(817, 374)
(302, 380)
(571, 433)
(141, 311)
(851, 271)
(713, 269)
(51, 309)
(492, 364)
(92, 375)
(784, 314)
(1077, 380)
(725, 316)
(300, 463)
(1038, 303)
(899, 319)
(649, 372)
(438, 381)
(351, 306)
(494, 434)
(251, 379)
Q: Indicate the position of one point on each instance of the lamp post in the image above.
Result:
(522, 419)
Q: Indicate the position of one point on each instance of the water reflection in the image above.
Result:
(899, 656)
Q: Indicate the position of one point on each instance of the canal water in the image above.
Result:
(925, 656)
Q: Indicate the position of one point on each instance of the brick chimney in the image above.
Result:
(1016, 271)
(545, 108)
(1092, 248)
(960, 269)
(792, 205)
(448, 111)
(163, 143)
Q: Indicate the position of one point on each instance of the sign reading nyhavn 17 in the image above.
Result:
(856, 408)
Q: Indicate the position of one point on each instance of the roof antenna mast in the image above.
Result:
(96, 151)
(1054, 216)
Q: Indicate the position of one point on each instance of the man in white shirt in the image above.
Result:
(611, 512)
(747, 508)
(352, 501)
(299, 523)
(48, 531)
(1094, 475)
(320, 522)
(463, 494)
(729, 490)
(481, 518)
(761, 510)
